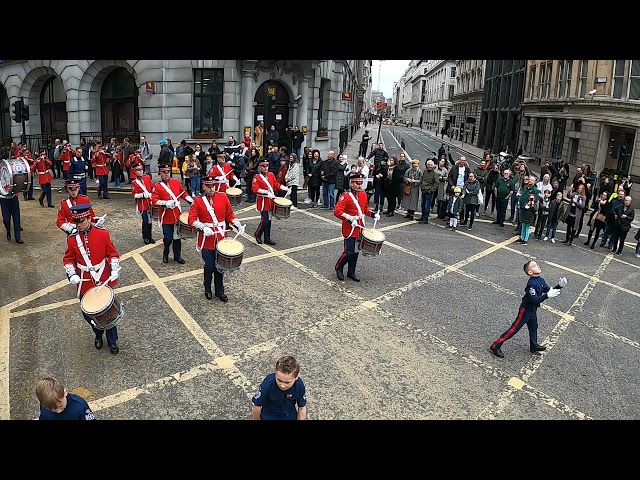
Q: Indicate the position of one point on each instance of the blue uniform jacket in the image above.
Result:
(77, 409)
(534, 293)
(279, 404)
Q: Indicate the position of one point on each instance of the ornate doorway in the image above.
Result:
(272, 106)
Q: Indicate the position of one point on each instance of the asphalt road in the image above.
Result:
(410, 341)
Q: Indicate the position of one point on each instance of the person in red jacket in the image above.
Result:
(91, 259)
(351, 208)
(65, 218)
(210, 214)
(134, 158)
(167, 194)
(224, 172)
(100, 162)
(65, 156)
(141, 189)
(41, 168)
(263, 185)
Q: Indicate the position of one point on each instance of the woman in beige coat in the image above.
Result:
(412, 179)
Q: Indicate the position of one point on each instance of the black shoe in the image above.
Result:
(258, 239)
(223, 297)
(8, 235)
(98, 342)
(537, 348)
(565, 241)
(41, 202)
(586, 243)
(151, 240)
(113, 348)
(408, 216)
(497, 352)
(51, 206)
(354, 277)
(146, 241)
(165, 258)
(424, 222)
(390, 214)
(19, 240)
(181, 261)
(501, 224)
(106, 198)
(495, 223)
(269, 242)
(340, 274)
(208, 294)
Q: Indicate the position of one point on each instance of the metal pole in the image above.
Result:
(379, 128)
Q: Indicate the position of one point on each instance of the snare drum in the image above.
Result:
(229, 254)
(155, 212)
(371, 241)
(15, 175)
(281, 207)
(102, 306)
(235, 195)
(184, 229)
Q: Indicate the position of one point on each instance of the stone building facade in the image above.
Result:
(466, 103)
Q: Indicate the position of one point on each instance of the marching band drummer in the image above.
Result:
(351, 207)
(263, 185)
(88, 252)
(210, 214)
(141, 189)
(166, 195)
(65, 217)
(223, 170)
(41, 166)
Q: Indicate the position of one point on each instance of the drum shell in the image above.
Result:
(281, 210)
(107, 317)
(368, 246)
(184, 229)
(155, 212)
(15, 175)
(234, 195)
(226, 262)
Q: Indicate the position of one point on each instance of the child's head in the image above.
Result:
(354, 167)
(457, 191)
(51, 394)
(547, 194)
(558, 196)
(532, 268)
(287, 370)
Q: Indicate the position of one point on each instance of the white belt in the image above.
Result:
(42, 173)
(94, 268)
(101, 165)
(79, 175)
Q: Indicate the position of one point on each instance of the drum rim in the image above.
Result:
(236, 191)
(371, 239)
(229, 240)
(103, 309)
(283, 202)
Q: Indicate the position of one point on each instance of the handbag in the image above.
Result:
(480, 197)
(406, 189)
(600, 217)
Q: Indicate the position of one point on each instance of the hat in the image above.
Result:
(356, 177)
(162, 141)
(263, 163)
(135, 165)
(209, 181)
(71, 183)
(82, 210)
(457, 190)
(165, 168)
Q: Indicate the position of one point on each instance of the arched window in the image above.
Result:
(53, 107)
(119, 102)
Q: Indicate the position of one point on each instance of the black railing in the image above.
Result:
(38, 141)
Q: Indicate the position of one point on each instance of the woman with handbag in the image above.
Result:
(411, 188)
(597, 221)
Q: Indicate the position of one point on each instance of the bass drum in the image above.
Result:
(15, 175)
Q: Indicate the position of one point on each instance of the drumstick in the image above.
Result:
(376, 220)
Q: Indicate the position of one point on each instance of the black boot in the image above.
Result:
(165, 254)
(144, 235)
(149, 229)
(588, 237)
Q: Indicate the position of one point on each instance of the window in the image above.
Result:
(450, 92)
(208, 87)
(453, 72)
(559, 126)
(618, 79)
(564, 78)
(577, 125)
(547, 80)
(541, 125)
(543, 71)
(583, 78)
(532, 82)
(634, 80)
(573, 150)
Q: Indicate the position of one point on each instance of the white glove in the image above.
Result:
(348, 218)
(271, 195)
(199, 225)
(69, 228)
(74, 279)
(361, 215)
(527, 207)
(376, 216)
(189, 199)
(100, 221)
(114, 276)
(284, 188)
(170, 204)
(241, 230)
(221, 178)
(115, 265)
(562, 282)
(146, 195)
(554, 292)
(139, 195)
(354, 221)
(208, 231)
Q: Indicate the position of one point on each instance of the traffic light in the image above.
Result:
(25, 112)
(17, 111)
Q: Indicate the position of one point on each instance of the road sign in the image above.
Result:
(381, 105)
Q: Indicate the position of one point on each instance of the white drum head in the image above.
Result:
(230, 247)
(97, 299)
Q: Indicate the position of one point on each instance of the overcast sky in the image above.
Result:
(383, 79)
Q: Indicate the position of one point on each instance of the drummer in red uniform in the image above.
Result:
(100, 162)
(41, 168)
(263, 185)
(91, 259)
(210, 214)
(352, 207)
(141, 189)
(65, 217)
(223, 170)
(166, 195)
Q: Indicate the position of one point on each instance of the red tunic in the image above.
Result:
(345, 204)
(222, 170)
(222, 210)
(168, 215)
(142, 204)
(98, 245)
(41, 166)
(66, 155)
(134, 158)
(260, 182)
(64, 210)
(100, 161)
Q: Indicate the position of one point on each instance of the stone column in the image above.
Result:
(248, 86)
(303, 110)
